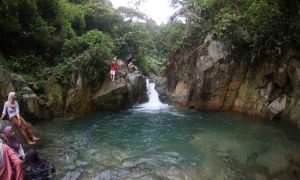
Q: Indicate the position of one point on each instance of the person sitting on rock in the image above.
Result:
(11, 107)
(36, 168)
(8, 156)
(10, 139)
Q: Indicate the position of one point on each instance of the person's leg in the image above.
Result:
(21, 128)
(28, 129)
(113, 75)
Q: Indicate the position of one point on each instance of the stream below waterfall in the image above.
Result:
(157, 141)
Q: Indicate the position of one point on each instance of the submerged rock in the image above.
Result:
(72, 175)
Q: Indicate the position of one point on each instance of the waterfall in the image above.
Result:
(154, 102)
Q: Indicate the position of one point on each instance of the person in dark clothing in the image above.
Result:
(37, 169)
(129, 60)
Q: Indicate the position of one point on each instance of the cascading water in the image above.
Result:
(154, 102)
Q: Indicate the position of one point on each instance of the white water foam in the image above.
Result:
(154, 102)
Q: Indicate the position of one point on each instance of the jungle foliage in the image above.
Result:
(52, 37)
(252, 28)
(43, 38)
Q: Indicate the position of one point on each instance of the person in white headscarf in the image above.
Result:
(11, 108)
(7, 155)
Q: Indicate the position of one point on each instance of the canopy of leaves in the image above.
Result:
(46, 37)
(252, 28)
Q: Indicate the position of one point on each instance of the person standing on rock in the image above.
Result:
(113, 69)
(11, 107)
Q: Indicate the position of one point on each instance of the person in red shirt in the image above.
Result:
(113, 69)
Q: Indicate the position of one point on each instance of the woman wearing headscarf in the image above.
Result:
(7, 155)
(35, 168)
(11, 107)
(13, 142)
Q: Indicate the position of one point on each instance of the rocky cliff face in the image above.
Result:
(57, 99)
(208, 79)
(81, 97)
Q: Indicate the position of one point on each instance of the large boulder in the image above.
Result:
(34, 106)
(79, 96)
(137, 87)
(112, 95)
(121, 93)
(54, 92)
(10, 82)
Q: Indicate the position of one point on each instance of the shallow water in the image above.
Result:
(159, 142)
(165, 143)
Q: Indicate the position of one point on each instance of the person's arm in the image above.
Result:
(4, 111)
(2, 116)
(21, 152)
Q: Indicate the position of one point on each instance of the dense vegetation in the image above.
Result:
(252, 28)
(43, 38)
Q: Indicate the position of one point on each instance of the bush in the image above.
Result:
(79, 44)
(59, 71)
(93, 65)
(22, 64)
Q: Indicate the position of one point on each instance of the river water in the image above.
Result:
(157, 141)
